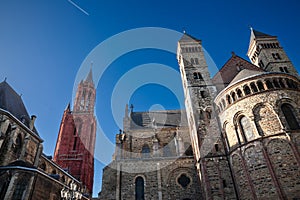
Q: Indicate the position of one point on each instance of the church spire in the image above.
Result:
(89, 77)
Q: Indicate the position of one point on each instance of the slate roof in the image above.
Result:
(12, 102)
(245, 73)
(162, 119)
(230, 70)
(257, 34)
(188, 38)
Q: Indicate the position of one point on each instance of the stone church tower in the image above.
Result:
(266, 52)
(243, 126)
(75, 144)
(212, 164)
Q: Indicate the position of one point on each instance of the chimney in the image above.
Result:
(31, 125)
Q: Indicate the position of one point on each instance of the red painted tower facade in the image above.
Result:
(77, 135)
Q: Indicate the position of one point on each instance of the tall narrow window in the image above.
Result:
(269, 84)
(192, 61)
(139, 188)
(19, 190)
(197, 75)
(247, 90)
(253, 87)
(75, 143)
(239, 93)
(260, 86)
(246, 129)
(290, 118)
(145, 151)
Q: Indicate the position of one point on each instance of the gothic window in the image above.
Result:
(18, 145)
(290, 117)
(253, 87)
(245, 128)
(247, 90)
(82, 100)
(197, 75)
(145, 151)
(139, 188)
(75, 143)
(260, 86)
(285, 69)
(19, 190)
(184, 180)
(196, 61)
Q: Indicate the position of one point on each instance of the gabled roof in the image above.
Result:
(230, 69)
(12, 102)
(165, 118)
(188, 38)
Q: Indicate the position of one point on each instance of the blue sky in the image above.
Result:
(43, 44)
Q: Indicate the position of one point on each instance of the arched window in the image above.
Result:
(197, 75)
(19, 190)
(269, 84)
(139, 188)
(276, 84)
(196, 61)
(281, 83)
(228, 99)
(290, 118)
(18, 145)
(245, 128)
(260, 86)
(233, 96)
(253, 87)
(145, 151)
(192, 61)
(247, 90)
(239, 93)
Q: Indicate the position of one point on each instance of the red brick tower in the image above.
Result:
(76, 139)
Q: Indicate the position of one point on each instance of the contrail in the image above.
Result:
(78, 7)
